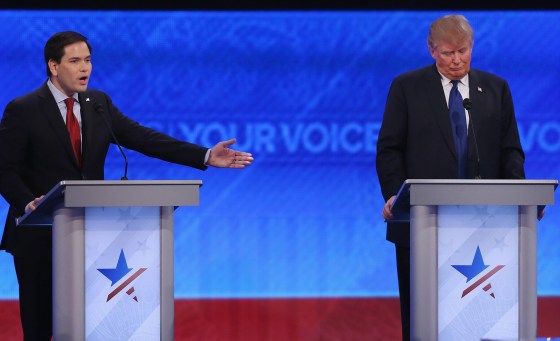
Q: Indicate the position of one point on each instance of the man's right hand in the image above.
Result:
(33, 205)
(386, 213)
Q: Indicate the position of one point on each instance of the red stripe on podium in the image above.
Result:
(481, 280)
(125, 283)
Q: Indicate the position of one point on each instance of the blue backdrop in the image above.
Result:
(305, 92)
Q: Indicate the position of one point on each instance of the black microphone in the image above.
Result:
(99, 108)
(467, 103)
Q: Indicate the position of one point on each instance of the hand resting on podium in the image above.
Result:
(387, 213)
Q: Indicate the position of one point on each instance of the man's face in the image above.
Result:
(71, 75)
(453, 61)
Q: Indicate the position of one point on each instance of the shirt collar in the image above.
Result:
(446, 81)
(59, 96)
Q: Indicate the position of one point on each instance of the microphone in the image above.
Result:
(99, 108)
(467, 103)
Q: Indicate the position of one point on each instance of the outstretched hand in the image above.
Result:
(223, 157)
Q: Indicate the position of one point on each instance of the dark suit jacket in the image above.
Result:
(416, 141)
(36, 154)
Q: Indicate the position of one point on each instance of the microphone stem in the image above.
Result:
(471, 124)
(101, 111)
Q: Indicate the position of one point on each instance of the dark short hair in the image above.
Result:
(54, 48)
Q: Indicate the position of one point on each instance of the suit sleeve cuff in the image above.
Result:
(207, 156)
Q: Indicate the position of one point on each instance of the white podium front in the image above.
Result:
(473, 257)
(113, 256)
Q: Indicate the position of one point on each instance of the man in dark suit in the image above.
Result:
(416, 139)
(62, 131)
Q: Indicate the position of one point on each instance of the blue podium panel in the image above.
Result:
(122, 261)
(478, 271)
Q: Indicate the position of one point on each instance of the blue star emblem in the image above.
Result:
(118, 272)
(477, 266)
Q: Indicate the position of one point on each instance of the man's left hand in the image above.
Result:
(222, 156)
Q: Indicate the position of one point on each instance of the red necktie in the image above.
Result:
(73, 129)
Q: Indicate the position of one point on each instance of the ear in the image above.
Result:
(432, 51)
(430, 48)
(53, 66)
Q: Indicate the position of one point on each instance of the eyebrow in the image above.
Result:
(77, 58)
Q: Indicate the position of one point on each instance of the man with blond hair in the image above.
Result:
(427, 134)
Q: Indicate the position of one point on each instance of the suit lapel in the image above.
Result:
(434, 92)
(475, 94)
(87, 112)
(52, 113)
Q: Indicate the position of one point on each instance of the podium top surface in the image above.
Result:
(472, 192)
(105, 193)
(470, 182)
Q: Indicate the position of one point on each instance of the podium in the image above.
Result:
(473, 256)
(113, 256)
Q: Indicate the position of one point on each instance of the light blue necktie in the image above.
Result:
(459, 127)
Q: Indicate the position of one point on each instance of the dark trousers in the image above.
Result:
(403, 272)
(35, 297)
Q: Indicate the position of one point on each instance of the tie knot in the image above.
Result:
(69, 102)
(455, 83)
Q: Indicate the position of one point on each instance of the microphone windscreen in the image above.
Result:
(467, 103)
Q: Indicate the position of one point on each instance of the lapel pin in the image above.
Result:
(87, 99)
(479, 90)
